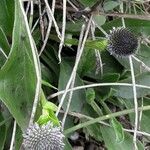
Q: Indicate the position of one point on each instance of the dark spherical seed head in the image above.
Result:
(122, 42)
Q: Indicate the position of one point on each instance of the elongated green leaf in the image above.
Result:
(127, 92)
(90, 95)
(112, 144)
(118, 130)
(48, 85)
(145, 120)
(18, 77)
(100, 44)
(94, 131)
(50, 106)
(78, 98)
(7, 16)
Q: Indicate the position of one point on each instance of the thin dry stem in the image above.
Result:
(36, 23)
(82, 116)
(122, 18)
(41, 20)
(140, 114)
(79, 52)
(134, 91)
(99, 64)
(51, 16)
(73, 6)
(28, 6)
(1, 50)
(138, 132)
(75, 66)
(96, 85)
(63, 30)
(68, 103)
(69, 82)
(113, 14)
(135, 104)
(48, 29)
(31, 14)
(13, 136)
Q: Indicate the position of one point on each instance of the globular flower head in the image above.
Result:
(45, 137)
(122, 42)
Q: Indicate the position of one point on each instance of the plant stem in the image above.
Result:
(96, 120)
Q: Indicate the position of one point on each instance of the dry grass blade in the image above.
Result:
(13, 136)
(63, 30)
(96, 85)
(79, 53)
(49, 28)
(75, 66)
(135, 103)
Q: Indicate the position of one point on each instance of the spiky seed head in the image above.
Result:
(122, 42)
(45, 137)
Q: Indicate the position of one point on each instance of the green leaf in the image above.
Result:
(93, 111)
(47, 75)
(43, 119)
(74, 27)
(142, 26)
(48, 115)
(4, 47)
(2, 59)
(18, 138)
(105, 93)
(111, 143)
(143, 54)
(99, 44)
(47, 105)
(145, 120)
(4, 42)
(110, 5)
(99, 19)
(18, 76)
(110, 64)
(94, 131)
(88, 2)
(78, 98)
(118, 130)
(7, 16)
(50, 106)
(67, 145)
(90, 95)
(110, 77)
(48, 109)
(48, 84)
(127, 92)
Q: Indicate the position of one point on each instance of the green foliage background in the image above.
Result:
(18, 76)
